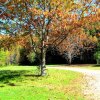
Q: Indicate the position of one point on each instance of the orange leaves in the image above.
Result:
(98, 34)
(7, 41)
(1, 36)
(55, 17)
(35, 11)
(59, 13)
(39, 12)
(77, 39)
(23, 41)
(3, 1)
(74, 17)
(10, 7)
(46, 13)
(93, 39)
(35, 39)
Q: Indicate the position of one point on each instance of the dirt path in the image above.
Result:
(91, 84)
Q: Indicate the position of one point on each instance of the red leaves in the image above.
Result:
(3, 1)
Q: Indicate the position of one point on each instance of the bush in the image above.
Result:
(31, 57)
(97, 57)
(10, 57)
(3, 57)
(14, 56)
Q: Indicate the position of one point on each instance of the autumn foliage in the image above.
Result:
(36, 24)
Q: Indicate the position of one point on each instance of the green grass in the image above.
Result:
(20, 83)
(91, 67)
(94, 67)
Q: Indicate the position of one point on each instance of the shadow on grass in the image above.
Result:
(97, 65)
(6, 76)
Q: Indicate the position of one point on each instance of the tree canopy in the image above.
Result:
(47, 22)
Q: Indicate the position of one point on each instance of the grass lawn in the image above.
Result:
(20, 83)
(91, 67)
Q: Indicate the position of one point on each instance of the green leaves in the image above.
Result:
(97, 55)
(3, 57)
(31, 56)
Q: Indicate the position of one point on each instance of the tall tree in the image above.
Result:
(76, 43)
(50, 21)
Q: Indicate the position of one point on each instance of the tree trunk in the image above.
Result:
(70, 59)
(43, 60)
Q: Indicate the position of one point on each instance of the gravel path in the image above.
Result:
(91, 83)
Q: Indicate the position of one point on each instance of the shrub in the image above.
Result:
(10, 57)
(3, 57)
(97, 57)
(14, 55)
(31, 57)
